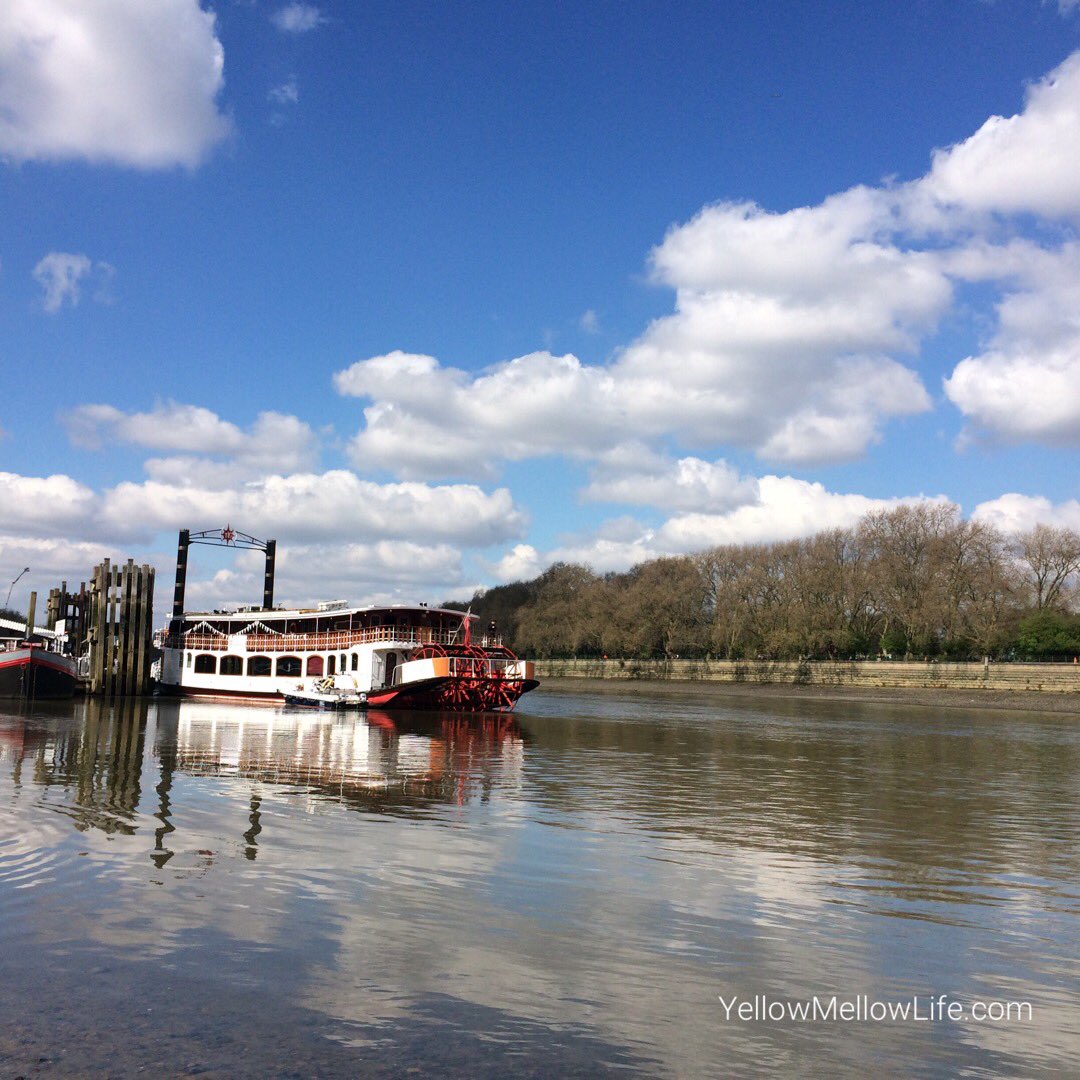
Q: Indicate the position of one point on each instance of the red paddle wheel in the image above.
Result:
(475, 684)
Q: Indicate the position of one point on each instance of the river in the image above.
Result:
(601, 882)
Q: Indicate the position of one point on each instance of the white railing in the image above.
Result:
(331, 641)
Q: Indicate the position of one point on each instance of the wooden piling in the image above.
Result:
(121, 615)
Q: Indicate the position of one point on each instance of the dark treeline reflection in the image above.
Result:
(917, 580)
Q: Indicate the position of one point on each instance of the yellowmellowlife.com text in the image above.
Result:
(861, 1008)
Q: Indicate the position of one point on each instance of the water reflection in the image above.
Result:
(570, 890)
(373, 761)
(378, 761)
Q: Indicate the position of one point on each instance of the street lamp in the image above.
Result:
(12, 585)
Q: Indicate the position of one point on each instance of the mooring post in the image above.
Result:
(30, 615)
(268, 577)
(181, 573)
(100, 630)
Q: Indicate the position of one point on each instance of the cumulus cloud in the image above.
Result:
(430, 421)
(1026, 385)
(635, 476)
(51, 560)
(786, 508)
(521, 563)
(1021, 163)
(275, 443)
(171, 426)
(304, 507)
(312, 506)
(133, 82)
(337, 531)
(1021, 513)
(780, 342)
(370, 573)
(297, 18)
(44, 505)
(794, 334)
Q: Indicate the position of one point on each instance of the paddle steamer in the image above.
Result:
(398, 656)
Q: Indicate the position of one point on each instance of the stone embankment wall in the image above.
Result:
(1060, 678)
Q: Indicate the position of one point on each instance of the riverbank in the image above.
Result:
(1030, 687)
(1012, 700)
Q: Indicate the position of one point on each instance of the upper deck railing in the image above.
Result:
(330, 641)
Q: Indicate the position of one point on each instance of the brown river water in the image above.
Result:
(585, 887)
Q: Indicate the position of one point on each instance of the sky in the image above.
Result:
(439, 294)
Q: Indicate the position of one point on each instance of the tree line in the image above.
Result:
(915, 581)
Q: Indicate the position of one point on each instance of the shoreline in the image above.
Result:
(1047, 701)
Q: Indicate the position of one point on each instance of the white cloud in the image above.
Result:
(1020, 513)
(297, 18)
(134, 82)
(170, 426)
(1025, 162)
(62, 274)
(44, 505)
(288, 93)
(590, 322)
(51, 560)
(792, 332)
(431, 421)
(275, 443)
(380, 572)
(783, 352)
(338, 534)
(1026, 385)
(521, 563)
(306, 507)
(59, 274)
(786, 509)
(634, 476)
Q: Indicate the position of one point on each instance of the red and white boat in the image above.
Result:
(33, 671)
(389, 657)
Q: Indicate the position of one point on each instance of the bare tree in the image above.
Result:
(907, 546)
(1049, 559)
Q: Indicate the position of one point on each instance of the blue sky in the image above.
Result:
(437, 294)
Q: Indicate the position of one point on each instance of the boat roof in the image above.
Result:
(321, 610)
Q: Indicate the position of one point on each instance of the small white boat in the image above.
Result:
(323, 694)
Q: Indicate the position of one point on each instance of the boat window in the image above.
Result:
(189, 659)
(205, 664)
(259, 665)
(355, 661)
(314, 665)
(344, 662)
(288, 665)
(330, 665)
(231, 665)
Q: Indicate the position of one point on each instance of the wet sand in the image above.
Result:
(1011, 700)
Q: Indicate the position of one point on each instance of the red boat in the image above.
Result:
(34, 671)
